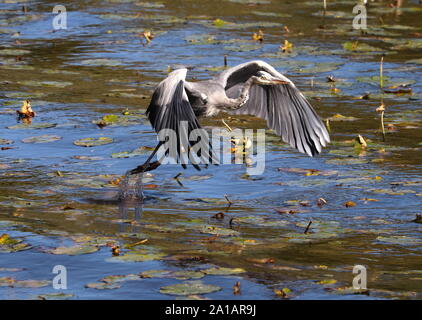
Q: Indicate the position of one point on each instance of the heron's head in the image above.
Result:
(266, 79)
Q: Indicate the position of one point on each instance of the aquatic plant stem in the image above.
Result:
(381, 73)
(382, 126)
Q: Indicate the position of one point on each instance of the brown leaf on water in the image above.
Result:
(185, 258)
(262, 261)
(349, 204)
(286, 211)
(236, 288)
(401, 89)
(321, 202)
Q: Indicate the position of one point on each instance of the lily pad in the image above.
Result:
(102, 285)
(219, 231)
(187, 275)
(41, 139)
(31, 283)
(360, 47)
(9, 244)
(14, 52)
(101, 62)
(137, 257)
(91, 142)
(75, 250)
(6, 141)
(43, 125)
(56, 296)
(189, 288)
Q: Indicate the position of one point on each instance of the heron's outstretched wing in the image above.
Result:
(170, 109)
(284, 107)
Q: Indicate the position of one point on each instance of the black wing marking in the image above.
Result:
(169, 108)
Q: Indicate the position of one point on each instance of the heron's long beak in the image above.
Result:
(279, 82)
(266, 82)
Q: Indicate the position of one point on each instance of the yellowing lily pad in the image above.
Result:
(91, 142)
(31, 283)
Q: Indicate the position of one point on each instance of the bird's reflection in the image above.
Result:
(131, 197)
(126, 206)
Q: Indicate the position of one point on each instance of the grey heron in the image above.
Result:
(254, 88)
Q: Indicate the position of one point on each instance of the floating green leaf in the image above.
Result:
(91, 142)
(189, 288)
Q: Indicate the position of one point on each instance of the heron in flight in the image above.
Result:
(253, 88)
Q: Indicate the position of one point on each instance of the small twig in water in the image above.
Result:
(307, 228)
(381, 109)
(228, 200)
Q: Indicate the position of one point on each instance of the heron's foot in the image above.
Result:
(145, 167)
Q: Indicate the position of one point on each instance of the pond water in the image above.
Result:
(58, 199)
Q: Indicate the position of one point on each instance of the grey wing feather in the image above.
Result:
(170, 106)
(284, 107)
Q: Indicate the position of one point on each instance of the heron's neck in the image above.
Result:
(244, 95)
